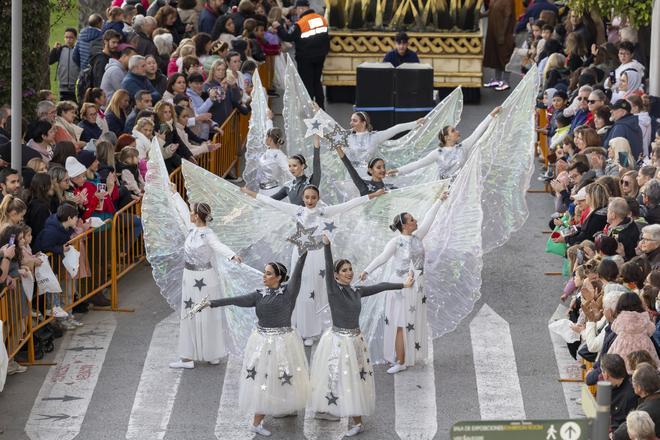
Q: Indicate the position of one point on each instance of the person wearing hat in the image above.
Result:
(400, 54)
(310, 34)
(626, 125)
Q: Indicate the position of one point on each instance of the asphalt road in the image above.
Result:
(186, 406)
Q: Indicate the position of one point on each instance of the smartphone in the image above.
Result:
(101, 187)
(12, 239)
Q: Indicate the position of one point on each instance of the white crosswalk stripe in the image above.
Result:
(59, 410)
(230, 423)
(500, 395)
(154, 398)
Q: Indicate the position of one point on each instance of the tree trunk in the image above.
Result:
(36, 25)
(89, 7)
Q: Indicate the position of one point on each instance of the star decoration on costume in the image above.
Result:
(417, 346)
(264, 387)
(251, 373)
(410, 326)
(299, 213)
(311, 295)
(188, 303)
(363, 373)
(200, 284)
(387, 321)
(322, 273)
(304, 239)
(286, 378)
(329, 226)
(337, 137)
(318, 123)
(412, 309)
(371, 187)
(332, 399)
(424, 299)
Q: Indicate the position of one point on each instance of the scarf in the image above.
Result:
(73, 130)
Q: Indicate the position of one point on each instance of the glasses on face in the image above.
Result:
(646, 239)
(581, 98)
(625, 183)
(593, 101)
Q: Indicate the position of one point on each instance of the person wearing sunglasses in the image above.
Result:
(582, 115)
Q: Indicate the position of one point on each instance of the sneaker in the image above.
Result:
(14, 367)
(396, 368)
(355, 430)
(182, 364)
(309, 342)
(492, 83)
(38, 315)
(235, 179)
(326, 416)
(502, 87)
(259, 429)
(214, 362)
(68, 325)
(59, 312)
(74, 322)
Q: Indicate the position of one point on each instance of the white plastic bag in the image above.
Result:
(71, 261)
(46, 279)
(4, 360)
(27, 282)
(562, 327)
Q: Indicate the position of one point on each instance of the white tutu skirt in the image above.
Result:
(406, 308)
(275, 376)
(342, 378)
(201, 338)
(312, 297)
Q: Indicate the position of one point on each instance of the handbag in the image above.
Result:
(555, 248)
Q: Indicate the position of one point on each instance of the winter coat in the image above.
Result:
(98, 63)
(499, 36)
(90, 41)
(159, 82)
(627, 127)
(220, 110)
(130, 177)
(311, 49)
(117, 26)
(67, 69)
(112, 78)
(37, 214)
(116, 123)
(634, 331)
(593, 224)
(207, 19)
(90, 131)
(650, 405)
(53, 236)
(627, 233)
(534, 11)
(143, 44)
(133, 83)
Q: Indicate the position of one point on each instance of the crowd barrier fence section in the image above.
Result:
(15, 317)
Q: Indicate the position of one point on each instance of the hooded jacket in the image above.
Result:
(112, 78)
(627, 127)
(53, 236)
(90, 42)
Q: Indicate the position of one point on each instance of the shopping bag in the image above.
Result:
(562, 327)
(46, 279)
(71, 261)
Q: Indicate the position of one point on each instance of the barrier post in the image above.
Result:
(603, 401)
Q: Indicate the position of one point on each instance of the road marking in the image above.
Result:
(156, 392)
(230, 423)
(315, 429)
(414, 394)
(500, 395)
(568, 369)
(59, 411)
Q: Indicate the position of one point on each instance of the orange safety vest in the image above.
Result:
(312, 24)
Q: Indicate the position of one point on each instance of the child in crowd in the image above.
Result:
(115, 22)
(129, 173)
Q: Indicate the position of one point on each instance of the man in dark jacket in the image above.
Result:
(98, 62)
(136, 79)
(626, 125)
(624, 399)
(90, 41)
(650, 195)
(141, 37)
(646, 383)
(401, 54)
(621, 226)
(534, 12)
(209, 15)
(67, 69)
(310, 34)
(58, 230)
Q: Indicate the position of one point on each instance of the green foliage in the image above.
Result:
(637, 11)
(36, 15)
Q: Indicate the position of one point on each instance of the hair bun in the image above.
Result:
(393, 227)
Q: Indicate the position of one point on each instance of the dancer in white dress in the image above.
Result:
(342, 373)
(293, 189)
(275, 379)
(201, 338)
(273, 166)
(406, 329)
(314, 297)
(451, 154)
(363, 142)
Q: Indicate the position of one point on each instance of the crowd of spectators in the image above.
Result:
(603, 168)
(142, 74)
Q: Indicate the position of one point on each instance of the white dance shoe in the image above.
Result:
(396, 368)
(182, 364)
(355, 430)
(259, 429)
(214, 362)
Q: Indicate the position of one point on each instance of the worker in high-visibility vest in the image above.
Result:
(310, 34)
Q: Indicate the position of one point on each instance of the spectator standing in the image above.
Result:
(499, 42)
(626, 125)
(115, 22)
(646, 384)
(141, 39)
(67, 68)
(224, 29)
(533, 12)
(136, 79)
(310, 35)
(90, 42)
(639, 109)
(98, 62)
(115, 72)
(168, 18)
(209, 15)
(400, 54)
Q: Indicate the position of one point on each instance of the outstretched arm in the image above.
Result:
(330, 282)
(293, 288)
(286, 208)
(316, 166)
(249, 300)
(381, 259)
(219, 247)
(429, 217)
(481, 128)
(355, 177)
(381, 136)
(425, 161)
(377, 288)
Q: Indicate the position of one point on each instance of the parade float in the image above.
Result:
(445, 34)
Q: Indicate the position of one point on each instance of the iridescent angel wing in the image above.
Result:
(164, 231)
(255, 231)
(297, 107)
(256, 137)
(509, 165)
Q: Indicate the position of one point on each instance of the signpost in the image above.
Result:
(567, 429)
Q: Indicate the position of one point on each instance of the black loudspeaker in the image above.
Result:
(375, 85)
(414, 86)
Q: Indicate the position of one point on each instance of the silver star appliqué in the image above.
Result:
(337, 137)
(304, 239)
